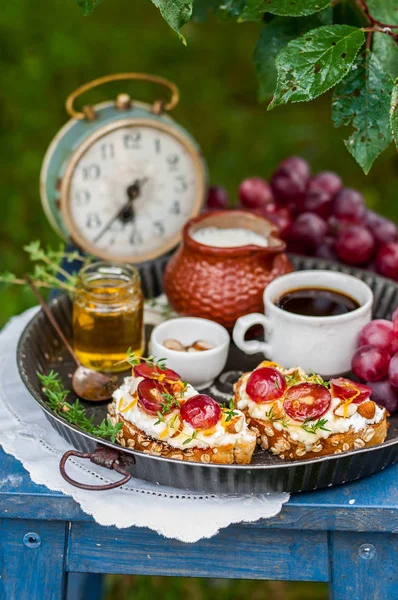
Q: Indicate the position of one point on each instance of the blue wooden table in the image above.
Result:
(45, 538)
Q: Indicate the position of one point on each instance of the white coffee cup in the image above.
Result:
(324, 345)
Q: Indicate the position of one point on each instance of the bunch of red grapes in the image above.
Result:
(376, 360)
(318, 216)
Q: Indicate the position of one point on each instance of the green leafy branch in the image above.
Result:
(308, 47)
(47, 269)
(75, 413)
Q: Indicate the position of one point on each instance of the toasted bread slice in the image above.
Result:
(281, 443)
(229, 441)
(344, 426)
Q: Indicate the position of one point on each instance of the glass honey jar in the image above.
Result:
(108, 315)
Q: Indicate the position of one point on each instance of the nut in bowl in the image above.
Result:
(199, 366)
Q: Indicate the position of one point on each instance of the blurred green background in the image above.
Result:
(47, 49)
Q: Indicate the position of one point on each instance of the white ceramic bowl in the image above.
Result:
(197, 368)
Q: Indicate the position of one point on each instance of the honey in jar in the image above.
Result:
(107, 316)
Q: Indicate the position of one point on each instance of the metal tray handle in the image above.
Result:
(103, 456)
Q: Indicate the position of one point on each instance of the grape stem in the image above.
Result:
(375, 24)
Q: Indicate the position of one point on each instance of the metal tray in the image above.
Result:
(40, 350)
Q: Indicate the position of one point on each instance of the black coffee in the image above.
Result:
(316, 302)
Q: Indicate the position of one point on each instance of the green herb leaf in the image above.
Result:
(316, 61)
(320, 424)
(293, 378)
(169, 403)
(294, 8)
(193, 436)
(230, 412)
(74, 413)
(176, 13)
(394, 112)
(362, 100)
(87, 6)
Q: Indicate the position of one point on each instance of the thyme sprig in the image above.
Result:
(229, 412)
(314, 427)
(293, 378)
(171, 424)
(47, 271)
(135, 360)
(315, 378)
(169, 403)
(273, 417)
(75, 413)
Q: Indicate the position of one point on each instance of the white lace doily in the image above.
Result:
(26, 434)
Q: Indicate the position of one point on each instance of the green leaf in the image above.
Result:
(87, 6)
(362, 100)
(385, 11)
(274, 36)
(313, 63)
(394, 113)
(386, 51)
(176, 13)
(294, 8)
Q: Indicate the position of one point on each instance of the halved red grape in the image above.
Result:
(370, 363)
(306, 401)
(150, 395)
(155, 372)
(265, 385)
(385, 394)
(290, 181)
(387, 260)
(201, 412)
(217, 197)
(378, 333)
(255, 192)
(355, 245)
(321, 190)
(349, 205)
(350, 390)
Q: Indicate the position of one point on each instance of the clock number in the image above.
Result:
(181, 184)
(176, 208)
(157, 146)
(172, 161)
(132, 140)
(136, 238)
(159, 228)
(90, 173)
(93, 221)
(107, 151)
(82, 197)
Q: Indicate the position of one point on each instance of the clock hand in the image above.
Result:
(126, 212)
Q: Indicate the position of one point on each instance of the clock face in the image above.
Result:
(130, 188)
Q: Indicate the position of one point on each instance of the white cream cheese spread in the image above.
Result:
(334, 424)
(125, 403)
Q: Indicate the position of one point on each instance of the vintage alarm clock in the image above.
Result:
(121, 178)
